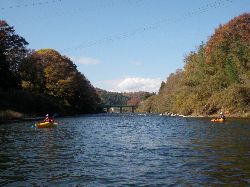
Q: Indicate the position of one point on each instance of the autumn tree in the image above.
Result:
(48, 72)
(133, 101)
(215, 77)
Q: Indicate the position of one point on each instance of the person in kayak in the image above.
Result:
(221, 116)
(49, 119)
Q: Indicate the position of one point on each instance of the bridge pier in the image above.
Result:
(108, 109)
(133, 109)
(120, 109)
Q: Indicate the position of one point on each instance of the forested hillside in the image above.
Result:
(124, 98)
(112, 98)
(216, 77)
(39, 82)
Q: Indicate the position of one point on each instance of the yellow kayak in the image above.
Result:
(46, 125)
(218, 120)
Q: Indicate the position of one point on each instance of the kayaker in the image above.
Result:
(221, 116)
(48, 119)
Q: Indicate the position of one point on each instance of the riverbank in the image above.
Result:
(7, 116)
(236, 115)
(14, 116)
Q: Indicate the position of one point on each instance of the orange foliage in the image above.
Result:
(133, 101)
(238, 29)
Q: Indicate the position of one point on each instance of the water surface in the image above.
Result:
(126, 149)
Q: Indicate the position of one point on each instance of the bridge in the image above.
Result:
(108, 107)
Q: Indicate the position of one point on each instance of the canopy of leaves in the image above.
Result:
(47, 71)
(124, 98)
(112, 98)
(12, 52)
(41, 81)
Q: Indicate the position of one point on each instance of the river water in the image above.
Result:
(126, 150)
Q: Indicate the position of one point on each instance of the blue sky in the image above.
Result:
(121, 45)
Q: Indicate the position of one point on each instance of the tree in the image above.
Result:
(47, 71)
(133, 101)
(215, 77)
(162, 86)
(12, 52)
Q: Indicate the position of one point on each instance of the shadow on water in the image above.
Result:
(126, 149)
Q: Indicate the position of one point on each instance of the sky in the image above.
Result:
(121, 45)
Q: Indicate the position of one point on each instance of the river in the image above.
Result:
(126, 150)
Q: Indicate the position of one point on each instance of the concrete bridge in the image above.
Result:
(108, 107)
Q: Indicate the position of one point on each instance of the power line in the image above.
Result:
(30, 4)
(101, 6)
(78, 10)
(149, 27)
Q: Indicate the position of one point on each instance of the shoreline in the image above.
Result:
(201, 116)
(14, 120)
(21, 118)
(39, 118)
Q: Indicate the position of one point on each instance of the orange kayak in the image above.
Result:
(45, 125)
(218, 120)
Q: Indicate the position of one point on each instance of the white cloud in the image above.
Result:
(86, 61)
(136, 62)
(132, 84)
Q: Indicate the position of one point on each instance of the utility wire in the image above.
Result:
(30, 4)
(78, 10)
(149, 27)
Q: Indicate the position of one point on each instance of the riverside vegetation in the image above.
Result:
(216, 77)
(39, 82)
(123, 98)
(33, 83)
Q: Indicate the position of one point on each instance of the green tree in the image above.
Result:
(12, 52)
